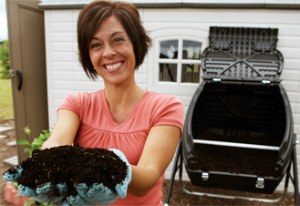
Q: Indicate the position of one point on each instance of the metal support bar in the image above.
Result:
(175, 168)
(295, 170)
(233, 144)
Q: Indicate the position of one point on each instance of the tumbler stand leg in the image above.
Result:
(174, 170)
(295, 170)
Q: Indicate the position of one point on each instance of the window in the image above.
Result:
(179, 61)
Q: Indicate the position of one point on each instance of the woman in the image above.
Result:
(143, 125)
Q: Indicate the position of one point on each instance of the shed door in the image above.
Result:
(28, 68)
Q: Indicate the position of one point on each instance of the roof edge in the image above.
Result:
(79, 5)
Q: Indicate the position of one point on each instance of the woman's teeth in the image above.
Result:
(113, 66)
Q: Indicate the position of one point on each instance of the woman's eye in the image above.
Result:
(118, 39)
(95, 45)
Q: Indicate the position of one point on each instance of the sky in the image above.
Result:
(3, 21)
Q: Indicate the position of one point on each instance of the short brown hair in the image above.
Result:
(90, 19)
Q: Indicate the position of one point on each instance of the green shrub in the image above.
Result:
(4, 60)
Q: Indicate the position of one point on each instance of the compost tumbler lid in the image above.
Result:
(242, 54)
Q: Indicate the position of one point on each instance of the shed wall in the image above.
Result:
(65, 75)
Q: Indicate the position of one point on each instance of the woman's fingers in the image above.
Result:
(76, 200)
(26, 191)
(121, 190)
(62, 188)
(13, 176)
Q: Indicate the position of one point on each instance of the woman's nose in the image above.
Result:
(109, 52)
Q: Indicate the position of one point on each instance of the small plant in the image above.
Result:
(35, 144)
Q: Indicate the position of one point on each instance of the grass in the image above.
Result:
(6, 101)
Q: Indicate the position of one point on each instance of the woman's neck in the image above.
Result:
(121, 100)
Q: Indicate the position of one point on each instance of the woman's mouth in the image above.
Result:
(113, 66)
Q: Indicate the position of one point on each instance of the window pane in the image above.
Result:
(168, 49)
(190, 73)
(191, 50)
(167, 72)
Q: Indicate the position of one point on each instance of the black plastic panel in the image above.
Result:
(242, 54)
(251, 114)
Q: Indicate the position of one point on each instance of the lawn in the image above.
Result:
(6, 102)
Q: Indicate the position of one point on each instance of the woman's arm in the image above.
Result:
(157, 154)
(65, 129)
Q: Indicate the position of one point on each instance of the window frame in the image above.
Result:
(179, 61)
(152, 63)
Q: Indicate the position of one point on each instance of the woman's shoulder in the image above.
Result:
(159, 98)
(161, 102)
(86, 96)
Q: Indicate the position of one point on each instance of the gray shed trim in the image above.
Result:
(239, 4)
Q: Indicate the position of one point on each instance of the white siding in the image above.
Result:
(66, 76)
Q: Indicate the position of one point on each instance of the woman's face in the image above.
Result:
(112, 53)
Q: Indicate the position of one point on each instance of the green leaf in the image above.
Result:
(27, 150)
(29, 202)
(34, 147)
(27, 130)
(47, 204)
(43, 137)
(18, 195)
(37, 142)
(23, 142)
(15, 184)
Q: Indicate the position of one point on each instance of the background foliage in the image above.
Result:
(6, 100)
(4, 60)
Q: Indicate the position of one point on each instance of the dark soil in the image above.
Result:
(72, 164)
(235, 160)
(178, 197)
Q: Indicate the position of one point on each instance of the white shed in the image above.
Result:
(173, 25)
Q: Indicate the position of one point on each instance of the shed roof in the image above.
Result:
(259, 4)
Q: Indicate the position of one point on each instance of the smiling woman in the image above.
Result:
(110, 51)
(144, 126)
(128, 16)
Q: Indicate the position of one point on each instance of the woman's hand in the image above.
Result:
(43, 193)
(98, 194)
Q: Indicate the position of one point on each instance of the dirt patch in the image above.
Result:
(6, 152)
(72, 164)
(178, 197)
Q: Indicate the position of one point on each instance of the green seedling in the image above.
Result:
(35, 144)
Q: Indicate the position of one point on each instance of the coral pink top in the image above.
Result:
(98, 129)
